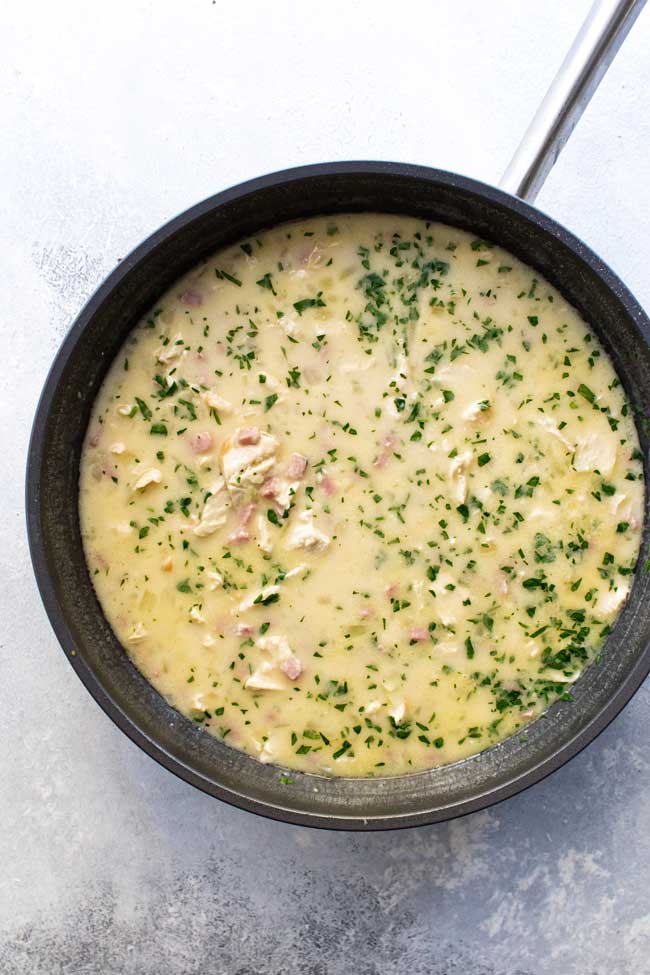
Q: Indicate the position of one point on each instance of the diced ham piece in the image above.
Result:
(201, 442)
(270, 488)
(365, 613)
(291, 667)
(241, 533)
(249, 435)
(297, 466)
(387, 448)
(418, 634)
(390, 590)
(328, 485)
(94, 438)
(244, 629)
(192, 298)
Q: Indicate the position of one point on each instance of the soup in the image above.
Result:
(362, 495)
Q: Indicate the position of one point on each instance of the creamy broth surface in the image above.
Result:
(362, 495)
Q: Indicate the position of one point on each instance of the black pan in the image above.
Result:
(53, 471)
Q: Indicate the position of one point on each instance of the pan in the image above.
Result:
(503, 215)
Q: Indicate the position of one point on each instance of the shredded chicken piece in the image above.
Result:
(215, 510)
(398, 712)
(167, 353)
(295, 571)
(245, 466)
(268, 751)
(216, 580)
(152, 476)
(257, 598)
(137, 634)
(263, 534)
(304, 534)
(359, 365)
(458, 473)
(476, 410)
(548, 424)
(448, 604)
(559, 677)
(446, 647)
(611, 601)
(241, 533)
(266, 677)
(215, 402)
(372, 707)
(269, 675)
(595, 453)
(400, 383)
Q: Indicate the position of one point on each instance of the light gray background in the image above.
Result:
(115, 116)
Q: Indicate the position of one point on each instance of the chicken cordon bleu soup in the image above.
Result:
(362, 495)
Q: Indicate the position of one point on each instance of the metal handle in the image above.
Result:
(606, 27)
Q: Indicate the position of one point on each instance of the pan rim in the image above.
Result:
(126, 723)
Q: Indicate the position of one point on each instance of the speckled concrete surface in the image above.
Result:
(116, 116)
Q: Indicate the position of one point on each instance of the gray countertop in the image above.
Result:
(115, 117)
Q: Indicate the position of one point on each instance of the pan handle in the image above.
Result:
(606, 27)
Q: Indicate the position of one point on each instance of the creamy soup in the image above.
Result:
(362, 495)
